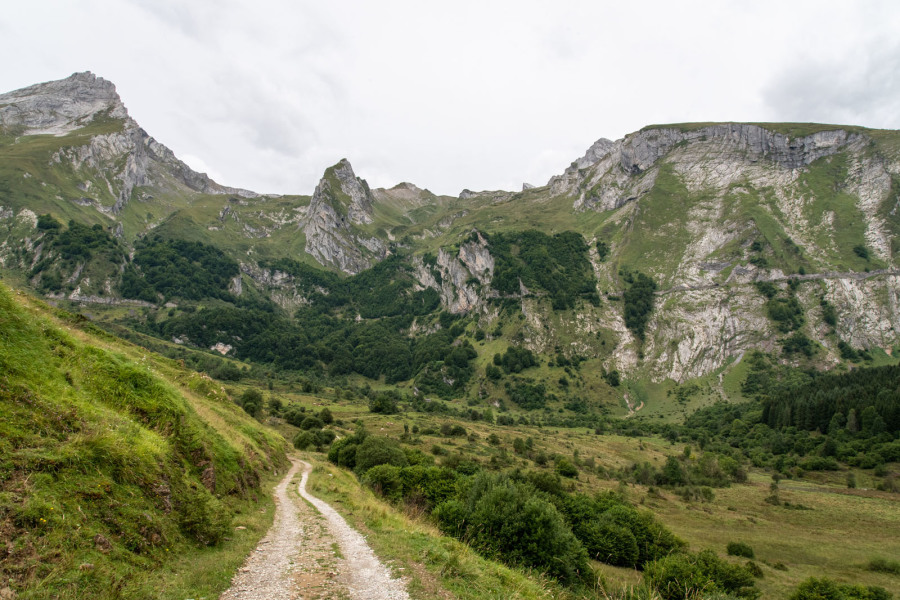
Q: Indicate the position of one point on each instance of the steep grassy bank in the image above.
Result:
(117, 466)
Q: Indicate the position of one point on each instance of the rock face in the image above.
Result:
(604, 176)
(59, 107)
(120, 161)
(359, 210)
(724, 187)
(455, 277)
(341, 202)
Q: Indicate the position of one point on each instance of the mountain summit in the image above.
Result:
(107, 152)
(59, 107)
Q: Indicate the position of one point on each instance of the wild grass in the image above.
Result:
(109, 475)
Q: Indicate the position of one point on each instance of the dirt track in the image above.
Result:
(297, 558)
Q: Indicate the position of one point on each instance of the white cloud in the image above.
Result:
(448, 96)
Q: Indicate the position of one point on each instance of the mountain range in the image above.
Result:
(663, 256)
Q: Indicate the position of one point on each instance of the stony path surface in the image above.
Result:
(309, 555)
(267, 571)
(366, 577)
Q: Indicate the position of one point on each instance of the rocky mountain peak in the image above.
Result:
(58, 107)
(354, 191)
(341, 200)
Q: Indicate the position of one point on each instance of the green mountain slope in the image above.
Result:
(115, 465)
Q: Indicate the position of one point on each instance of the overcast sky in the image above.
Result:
(482, 95)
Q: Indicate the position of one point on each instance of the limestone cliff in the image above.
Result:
(118, 158)
(710, 210)
(340, 203)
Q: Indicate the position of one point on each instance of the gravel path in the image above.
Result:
(267, 572)
(366, 577)
(296, 561)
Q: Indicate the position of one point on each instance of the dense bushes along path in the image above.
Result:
(296, 559)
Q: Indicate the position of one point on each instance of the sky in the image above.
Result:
(266, 94)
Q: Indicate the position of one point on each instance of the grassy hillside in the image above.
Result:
(120, 472)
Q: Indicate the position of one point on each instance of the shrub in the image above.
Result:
(818, 589)
(311, 423)
(385, 481)
(754, 569)
(565, 468)
(324, 437)
(202, 516)
(883, 565)
(294, 415)
(275, 405)
(686, 575)
(377, 450)
(251, 401)
(320, 438)
(384, 403)
(505, 520)
(820, 463)
(612, 378)
(609, 542)
(740, 549)
(343, 451)
(428, 485)
(304, 440)
(326, 417)
(452, 430)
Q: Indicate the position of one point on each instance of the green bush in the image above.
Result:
(304, 440)
(202, 516)
(740, 549)
(377, 450)
(311, 423)
(251, 401)
(320, 438)
(343, 451)
(883, 565)
(565, 468)
(326, 417)
(504, 519)
(680, 576)
(385, 481)
(754, 569)
(384, 403)
(608, 542)
(428, 485)
(324, 437)
(827, 589)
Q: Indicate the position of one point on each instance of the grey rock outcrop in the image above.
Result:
(59, 107)
(122, 160)
(610, 174)
(454, 277)
(341, 202)
(359, 210)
